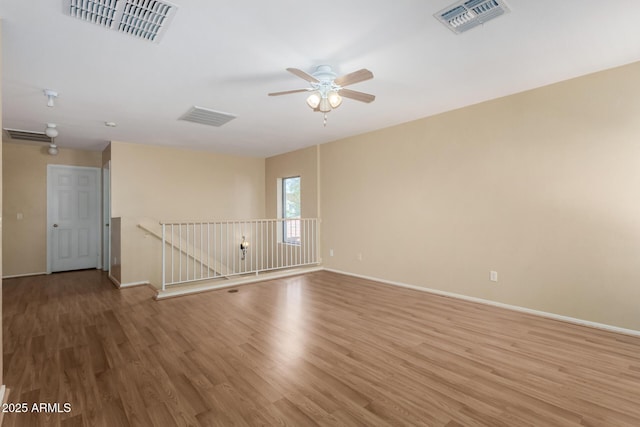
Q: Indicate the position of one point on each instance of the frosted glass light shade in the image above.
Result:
(314, 100)
(334, 99)
(51, 132)
(324, 106)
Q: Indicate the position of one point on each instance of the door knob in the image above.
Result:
(55, 225)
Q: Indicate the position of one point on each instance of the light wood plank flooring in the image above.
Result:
(318, 349)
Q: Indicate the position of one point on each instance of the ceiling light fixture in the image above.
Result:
(324, 98)
(326, 88)
(314, 99)
(325, 95)
(324, 106)
(51, 96)
(335, 100)
(52, 132)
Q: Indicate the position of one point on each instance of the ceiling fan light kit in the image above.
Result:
(327, 90)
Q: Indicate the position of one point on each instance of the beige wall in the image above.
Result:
(302, 163)
(542, 187)
(176, 185)
(106, 155)
(24, 241)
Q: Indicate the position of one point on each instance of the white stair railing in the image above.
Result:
(195, 251)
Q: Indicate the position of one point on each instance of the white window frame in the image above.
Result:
(282, 231)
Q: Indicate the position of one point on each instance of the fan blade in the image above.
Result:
(303, 75)
(287, 92)
(355, 77)
(358, 96)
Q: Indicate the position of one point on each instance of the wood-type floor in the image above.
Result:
(318, 349)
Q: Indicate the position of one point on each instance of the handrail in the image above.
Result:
(198, 221)
(199, 250)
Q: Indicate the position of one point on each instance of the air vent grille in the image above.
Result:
(26, 135)
(100, 12)
(146, 19)
(465, 15)
(206, 116)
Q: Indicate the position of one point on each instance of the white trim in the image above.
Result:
(115, 281)
(540, 313)
(132, 284)
(105, 231)
(119, 285)
(193, 289)
(13, 276)
(4, 398)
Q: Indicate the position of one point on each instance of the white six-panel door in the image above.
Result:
(73, 217)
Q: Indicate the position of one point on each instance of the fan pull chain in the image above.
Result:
(325, 120)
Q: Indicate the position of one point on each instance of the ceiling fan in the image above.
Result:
(327, 90)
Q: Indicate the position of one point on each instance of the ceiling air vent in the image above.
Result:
(206, 116)
(145, 19)
(101, 12)
(26, 135)
(465, 15)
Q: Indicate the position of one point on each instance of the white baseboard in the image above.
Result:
(115, 281)
(119, 285)
(204, 287)
(548, 315)
(4, 398)
(13, 276)
(132, 284)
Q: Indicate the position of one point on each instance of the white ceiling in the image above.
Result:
(227, 55)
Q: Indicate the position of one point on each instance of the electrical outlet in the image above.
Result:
(359, 257)
(493, 276)
(330, 252)
(19, 216)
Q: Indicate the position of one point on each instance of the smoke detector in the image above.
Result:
(467, 14)
(145, 19)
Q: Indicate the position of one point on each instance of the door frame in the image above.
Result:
(106, 216)
(50, 168)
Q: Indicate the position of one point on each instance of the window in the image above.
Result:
(291, 210)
